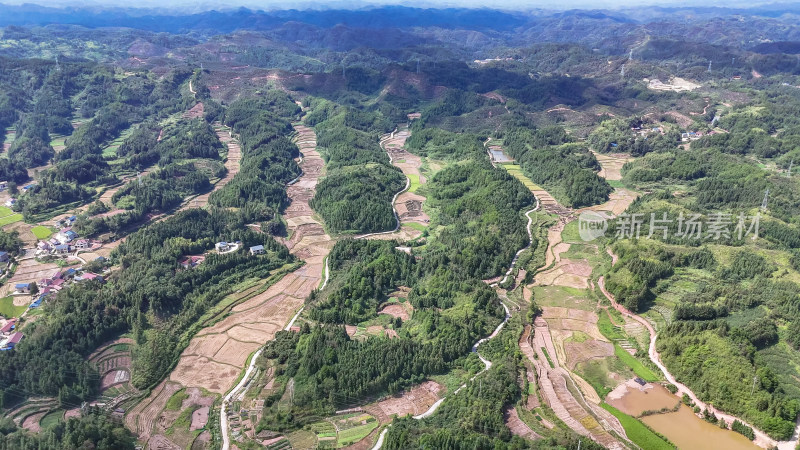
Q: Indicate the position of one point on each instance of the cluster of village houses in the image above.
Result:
(685, 136)
(62, 243)
(66, 241)
(191, 261)
(9, 338)
(12, 201)
(48, 286)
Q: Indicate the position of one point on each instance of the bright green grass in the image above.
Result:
(616, 184)
(415, 226)
(5, 211)
(571, 233)
(52, 418)
(613, 333)
(355, 434)
(547, 356)
(638, 432)
(415, 183)
(8, 309)
(607, 328)
(638, 368)
(41, 232)
(10, 219)
(174, 403)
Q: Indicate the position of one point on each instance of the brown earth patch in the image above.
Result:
(195, 112)
(517, 426)
(142, 418)
(395, 310)
(31, 423)
(413, 401)
(199, 418)
(578, 352)
(161, 442)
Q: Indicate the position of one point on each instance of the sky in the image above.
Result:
(204, 5)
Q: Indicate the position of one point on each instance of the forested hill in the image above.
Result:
(392, 27)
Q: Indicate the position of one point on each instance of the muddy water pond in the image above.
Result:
(682, 428)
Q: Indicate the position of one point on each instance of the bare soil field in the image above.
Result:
(25, 233)
(575, 412)
(30, 271)
(566, 272)
(160, 442)
(143, 416)
(199, 418)
(31, 423)
(517, 426)
(618, 202)
(232, 163)
(676, 84)
(195, 112)
(413, 401)
(216, 356)
(397, 310)
(611, 164)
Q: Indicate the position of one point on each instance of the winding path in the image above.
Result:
(384, 139)
(762, 439)
(486, 363)
(308, 241)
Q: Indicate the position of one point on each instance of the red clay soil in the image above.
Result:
(517, 426)
(195, 113)
(395, 310)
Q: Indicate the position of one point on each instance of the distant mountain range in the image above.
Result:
(222, 21)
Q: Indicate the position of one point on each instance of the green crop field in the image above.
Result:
(355, 434)
(10, 219)
(638, 432)
(52, 418)
(415, 183)
(8, 309)
(638, 368)
(41, 232)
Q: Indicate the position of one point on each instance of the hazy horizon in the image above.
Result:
(516, 5)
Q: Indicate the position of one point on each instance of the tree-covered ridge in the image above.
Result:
(111, 105)
(550, 157)
(479, 213)
(357, 191)
(263, 127)
(441, 144)
(616, 135)
(40, 102)
(363, 273)
(95, 428)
